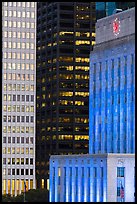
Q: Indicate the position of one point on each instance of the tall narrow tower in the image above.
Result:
(18, 96)
(65, 36)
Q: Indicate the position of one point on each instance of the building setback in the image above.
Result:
(18, 96)
(65, 36)
(107, 173)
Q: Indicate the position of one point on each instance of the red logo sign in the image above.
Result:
(116, 27)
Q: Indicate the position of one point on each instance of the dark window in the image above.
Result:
(31, 171)
(32, 119)
(22, 171)
(27, 161)
(31, 161)
(4, 139)
(14, 97)
(118, 191)
(27, 97)
(17, 171)
(22, 139)
(32, 97)
(9, 139)
(22, 118)
(27, 119)
(18, 118)
(27, 172)
(13, 140)
(18, 139)
(4, 160)
(23, 97)
(13, 171)
(18, 97)
(120, 171)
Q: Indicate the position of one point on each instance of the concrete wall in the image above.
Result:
(120, 160)
(104, 27)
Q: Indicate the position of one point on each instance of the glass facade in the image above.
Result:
(65, 36)
(108, 8)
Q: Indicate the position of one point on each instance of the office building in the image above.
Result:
(18, 96)
(92, 178)
(65, 36)
(112, 85)
(107, 173)
(104, 9)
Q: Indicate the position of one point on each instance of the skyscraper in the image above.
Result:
(18, 96)
(65, 36)
(107, 173)
(112, 86)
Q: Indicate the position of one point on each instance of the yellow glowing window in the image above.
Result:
(17, 184)
(18, 161)
(93, 42)
(66, 59)
(48, 184)
(81, 137)
(49, 44)
(43, 80)
(9, 183)
(78, 59)
(82, 42)
(43, 104)
(54, 43)
(86, 68)
(13, 185)
(94, 34)
(43, 96)
(4, 184)
(43, 138)
(69, 93)
(65, 33)
(42, 183)
(31, 184)
(22, 185)
(43, 88)
(82, 94)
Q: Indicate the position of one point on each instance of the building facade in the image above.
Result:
(104, 9)
(107, 173)
(92, 178)
(18, 96)
(112, 86)
(65, 36)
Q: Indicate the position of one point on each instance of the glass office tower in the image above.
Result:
(18, 96)
(108, 8)
(65, 36)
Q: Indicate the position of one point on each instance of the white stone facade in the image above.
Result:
(18, 96)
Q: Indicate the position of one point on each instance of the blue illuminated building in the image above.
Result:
(112, 87)
(107, 173)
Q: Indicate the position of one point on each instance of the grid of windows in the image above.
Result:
(18, 96)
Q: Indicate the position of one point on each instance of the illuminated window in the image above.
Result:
(82, 59)
(5, 23)
(9, 185)
(82, 42)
